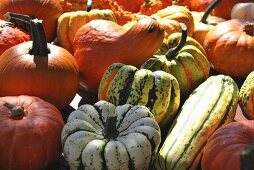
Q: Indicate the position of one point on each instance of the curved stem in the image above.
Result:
(17, 112)
(172, 51)
(40, 45)
(110, 131)
(247, 157)
(89, 5)
(20, 20)
(209, 10)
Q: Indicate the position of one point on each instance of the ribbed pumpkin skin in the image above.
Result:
(246, 96)
(53, 77)
(33, 142)
(158, 91)
(100, 43)
(179, 13)
(70, 22)
(223, 148)
(230, 48)
(132, 144)
(189, 65)
(211, 105)
(46, 10)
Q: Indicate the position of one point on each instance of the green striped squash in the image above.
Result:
(211, 105)
(103, 136)
(184, 58)
(246, 96)
(158, 91)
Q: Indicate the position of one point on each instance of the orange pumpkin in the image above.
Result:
(30, 132)
(40, 69)
(130, 5)
(46, 10)
(100, 43)
(11, 35)
(230, 47)
(230, 147)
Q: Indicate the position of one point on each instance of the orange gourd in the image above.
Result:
(230, 47)
(100, 43)
(39, 69)
(46, 10)
(230, 147)
(30, 132)
(130, 5)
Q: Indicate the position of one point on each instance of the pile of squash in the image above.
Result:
(164, 84)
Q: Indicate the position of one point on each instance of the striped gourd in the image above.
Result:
(211, 105)
(103, 136)
(246, 96)
(184, 58)
(158, 91)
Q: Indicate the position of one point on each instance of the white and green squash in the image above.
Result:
(105, 136)
(211, 105)
(158, 91)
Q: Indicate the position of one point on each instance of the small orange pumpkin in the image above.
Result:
(100, 43)
(30, 132)
(39, 69)
(230, 47)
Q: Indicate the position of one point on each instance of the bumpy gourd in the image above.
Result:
(105, 136)
(158, 91)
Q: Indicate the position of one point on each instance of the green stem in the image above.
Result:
(17, 112)
(20, 20)
(209, 10)
(172, 51)
(247, 157)
(110, 131)
(89, 5)
(40, 45)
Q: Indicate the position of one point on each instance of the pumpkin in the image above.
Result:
(230, 147)
(246, 96)
(204, 22)
(121, 15)
(11, 35)
(100, 43)
(230, 47)
(105, 136)
(150, 7)
(179, 13)
(243, 10)
(211, 105)
(39, 69)
(223, 10)
(158, 91)
(30, 132)
(70, 22)
(46, 10)
(184, 58)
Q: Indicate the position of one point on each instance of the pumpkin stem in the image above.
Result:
(110, 130)
(249, 28)
(89, 5)
(209, 10)
(172, 51)
(20, 20)
(247, 157)
(40, 45)
(17, 112)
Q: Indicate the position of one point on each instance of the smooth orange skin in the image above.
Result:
(100, 43)
(47, 10)
(33, 142)
(54, 77)
(229, 49)
(223, 148)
